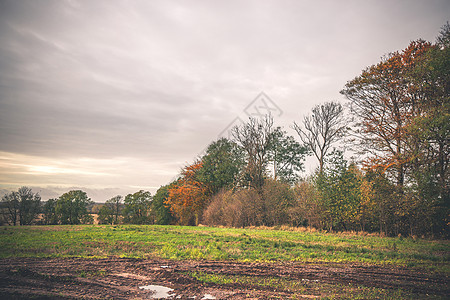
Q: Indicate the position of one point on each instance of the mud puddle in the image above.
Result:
(158, 291)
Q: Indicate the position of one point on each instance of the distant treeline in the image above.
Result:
(397, 121)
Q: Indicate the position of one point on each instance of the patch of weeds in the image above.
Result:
(341, 291)
(273, 283)
(92, 274)
(300, 288)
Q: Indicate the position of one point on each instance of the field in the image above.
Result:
(113, 262)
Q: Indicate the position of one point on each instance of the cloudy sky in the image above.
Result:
(116, 96)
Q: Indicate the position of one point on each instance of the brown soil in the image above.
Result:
(120, 278)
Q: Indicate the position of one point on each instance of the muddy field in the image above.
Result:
(120, 278)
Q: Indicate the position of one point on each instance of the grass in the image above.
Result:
(229, 244)
(300, 289)
(205, 243)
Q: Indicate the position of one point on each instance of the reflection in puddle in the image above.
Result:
(158, 291)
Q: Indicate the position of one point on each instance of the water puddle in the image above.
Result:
(158, 291)
(162, 292)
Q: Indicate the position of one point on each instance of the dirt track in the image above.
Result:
(119, 278)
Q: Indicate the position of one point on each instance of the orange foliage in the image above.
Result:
(388, 101)
(188, 196)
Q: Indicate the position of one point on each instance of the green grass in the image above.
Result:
(205, 243)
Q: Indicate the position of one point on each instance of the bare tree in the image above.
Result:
(111, 210)
(256, 138)
(11, 202)
(22, 206)
(29, 206)
(322, 128)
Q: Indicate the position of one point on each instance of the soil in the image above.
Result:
(120, 278)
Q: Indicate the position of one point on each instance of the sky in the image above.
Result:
(112, 96)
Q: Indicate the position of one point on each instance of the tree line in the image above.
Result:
(397, 121)
(23, 207)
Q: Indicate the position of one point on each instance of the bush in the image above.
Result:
(306, 208)
(277, 198)
(234, 209)
(247, 207)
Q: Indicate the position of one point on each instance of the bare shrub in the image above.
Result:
(278, 198)
(247, 207)
(234, 209)
(213, 214)
(306, 210)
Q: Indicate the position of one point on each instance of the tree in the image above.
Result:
(71, 208)
(49, 212)
(385, 101)
(287, 156)
(325, 126)
(443, 39)
(366, 213)
(339, 188)
(403, 110)
(431, 130)
(137, 208)
(29, 205)
(387, 201)
(188, 197)
(110, 212)
(256, 138)
(160, 210)
(221, 165)
(22, 206)
(11, 202)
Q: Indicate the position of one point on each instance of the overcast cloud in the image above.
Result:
(116, 96)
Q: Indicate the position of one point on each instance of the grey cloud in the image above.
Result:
(159, 80)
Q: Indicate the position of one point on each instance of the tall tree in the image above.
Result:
(256, 138)
(11, 202)
(49, 212)
(188, 197)
(443, 39)
(22, 206)
(30, 205)
(287, 156)
(160, 210)
(325, 126)
(71, 208)
(385, 101)
(137, 208)
(221, 164)
(430, 130)
(340, 188)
